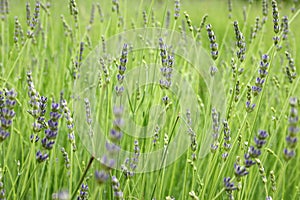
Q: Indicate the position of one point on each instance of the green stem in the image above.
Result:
(82, 177)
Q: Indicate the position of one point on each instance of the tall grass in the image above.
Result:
(58, 51)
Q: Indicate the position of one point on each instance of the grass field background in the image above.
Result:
(51, 58)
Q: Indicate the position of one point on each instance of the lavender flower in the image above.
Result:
(249, 106)
(229, 186)
(285, 27)
(216, 129)
(263, 72)
(40, 157)
(240, 42)
(229, 8)
(116, 188)
(101, 176)
(123, 60)
(52, 131)
(213, 42)
(7, 113)
(227, 138)
(66, 157)
(255, 29)
(28, 14)
(156, 135)
(115, 6)
(100, 12)
(130, 164)
(264, 10)
(115, 134)
(194, 144)
(74, 11)
(275, 16)
(2, 190)
(290, 69)
(83, 193)
(167, 61)
(177, 9)
(250, 158)
(293, 129)
(88, 111)
(145, 18)
(240, 171)
(70, 123)
(189, 21)
(61, 195)
(2, 193)
(38, 106)
(273, 181)
(202, 24)
(122, 68)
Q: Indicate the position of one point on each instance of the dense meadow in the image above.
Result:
(149, 99)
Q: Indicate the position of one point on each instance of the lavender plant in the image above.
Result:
(48, 54)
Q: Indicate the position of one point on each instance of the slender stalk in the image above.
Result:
(92, 158)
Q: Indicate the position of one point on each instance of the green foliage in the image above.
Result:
(58, 38)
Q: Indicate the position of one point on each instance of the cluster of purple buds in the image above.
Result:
(177, 9)
(229, 186)
(122, 68)
(276, 38)
(255, 30)
(70, 123)
(240, 42)
(156, 135)
(116, 188)
(213, 42)
(4, 9)
(291, 139)
(275, 16)
(241, 170)
(34, 96)
(255, 151)
(216, 128)
(249, 105)
(66, 157)
(83, 193)
(38, 106)
(74, 11)
(7, 113)
(285, 27)
(36, 14)
(265, 10)
(28, 18)
(193, 137)
(34, 21)
(18, 32)
(167, 62)
(227, 139)
(101, 176)
(263, 72)
(51, 132)
(115, 6)
(2, 190)
(229, 3)
(111, 145)
(78, 61)
(189, 21)
(115, 135)
(290, 68)
(130, 164)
